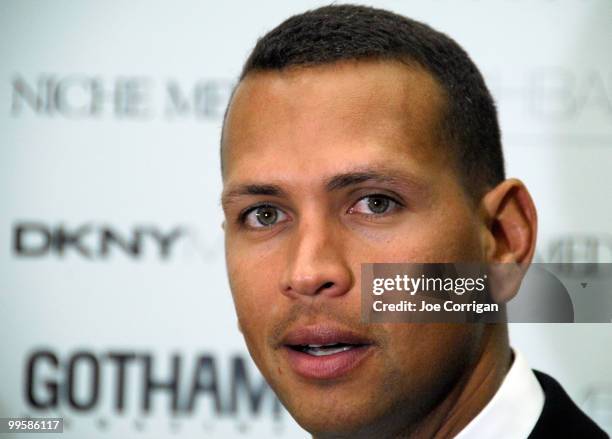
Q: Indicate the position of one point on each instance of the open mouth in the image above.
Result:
(325, 351)
(322, 350)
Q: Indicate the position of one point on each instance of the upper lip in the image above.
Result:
(323, 334)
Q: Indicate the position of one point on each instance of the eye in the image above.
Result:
(376, 204)
(263, 216)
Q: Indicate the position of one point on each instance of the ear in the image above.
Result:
(512, 223)
(511, 231)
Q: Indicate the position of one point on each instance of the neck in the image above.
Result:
(472, 392)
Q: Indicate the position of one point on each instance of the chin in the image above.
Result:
(333, 414)
(340, 422)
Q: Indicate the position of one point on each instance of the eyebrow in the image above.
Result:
(342, 181)
(335, 183)
(251, 189)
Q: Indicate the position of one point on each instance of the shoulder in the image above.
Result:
(560, 416)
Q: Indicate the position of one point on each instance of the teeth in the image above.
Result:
(321, 345)
(319, 351)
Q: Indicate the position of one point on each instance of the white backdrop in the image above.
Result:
(115, 311)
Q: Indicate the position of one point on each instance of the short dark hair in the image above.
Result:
(334, 33)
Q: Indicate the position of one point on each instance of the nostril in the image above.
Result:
(328, 285)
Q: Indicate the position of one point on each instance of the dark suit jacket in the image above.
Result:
(561, 418)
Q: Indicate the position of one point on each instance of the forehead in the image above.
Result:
(359, 110)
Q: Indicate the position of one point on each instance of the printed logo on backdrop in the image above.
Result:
(569, 103)
(122, 98)
(101, 240)
(577, 248)
(559, 93)
(98, 241)
(546, 95)
(140, 388)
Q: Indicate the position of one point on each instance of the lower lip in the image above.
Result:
(326, 367)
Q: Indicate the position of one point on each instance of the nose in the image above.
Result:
(316, 264)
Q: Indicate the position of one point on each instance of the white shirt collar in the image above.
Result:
(515, 408)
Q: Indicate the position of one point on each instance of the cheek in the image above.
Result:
(426, 359)
(254, 282)
(428, 343)
(248, 304)
(436, 238)
(249, 288)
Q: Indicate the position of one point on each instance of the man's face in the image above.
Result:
(327, 168)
